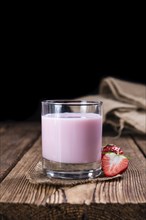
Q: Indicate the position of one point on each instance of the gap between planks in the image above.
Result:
(128, 190)
(15, 140)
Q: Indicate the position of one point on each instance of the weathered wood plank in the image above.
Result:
(141, 142)
(74, 212)
(129, 189)
(15, 140)
(116, 199)
(3, 127)
(15, 188)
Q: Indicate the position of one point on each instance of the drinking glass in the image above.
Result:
(71, 138)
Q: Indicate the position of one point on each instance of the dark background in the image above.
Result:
(30, 82)
(42, 63)
(62, 54)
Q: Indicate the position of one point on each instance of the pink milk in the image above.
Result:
(72, 137)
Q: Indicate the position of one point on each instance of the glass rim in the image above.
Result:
(72, 102)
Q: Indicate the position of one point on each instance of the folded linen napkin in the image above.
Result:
(124, 104)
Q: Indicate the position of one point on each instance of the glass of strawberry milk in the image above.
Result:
(71, 138)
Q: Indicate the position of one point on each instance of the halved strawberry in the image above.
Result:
(111, 148)
(113, 164)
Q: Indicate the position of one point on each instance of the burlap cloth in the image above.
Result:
(36, 176)
(124, 104)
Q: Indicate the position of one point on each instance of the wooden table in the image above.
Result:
(123, 198)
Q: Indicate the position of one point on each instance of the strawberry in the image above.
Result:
(111, 148)
(113, 164)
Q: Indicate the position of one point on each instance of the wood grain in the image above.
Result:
(16, 188)
(140, 142)
(74, 212)
(15, 140)
(123, 199)
(129, 189)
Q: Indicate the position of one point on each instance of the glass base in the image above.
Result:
(71, 170)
